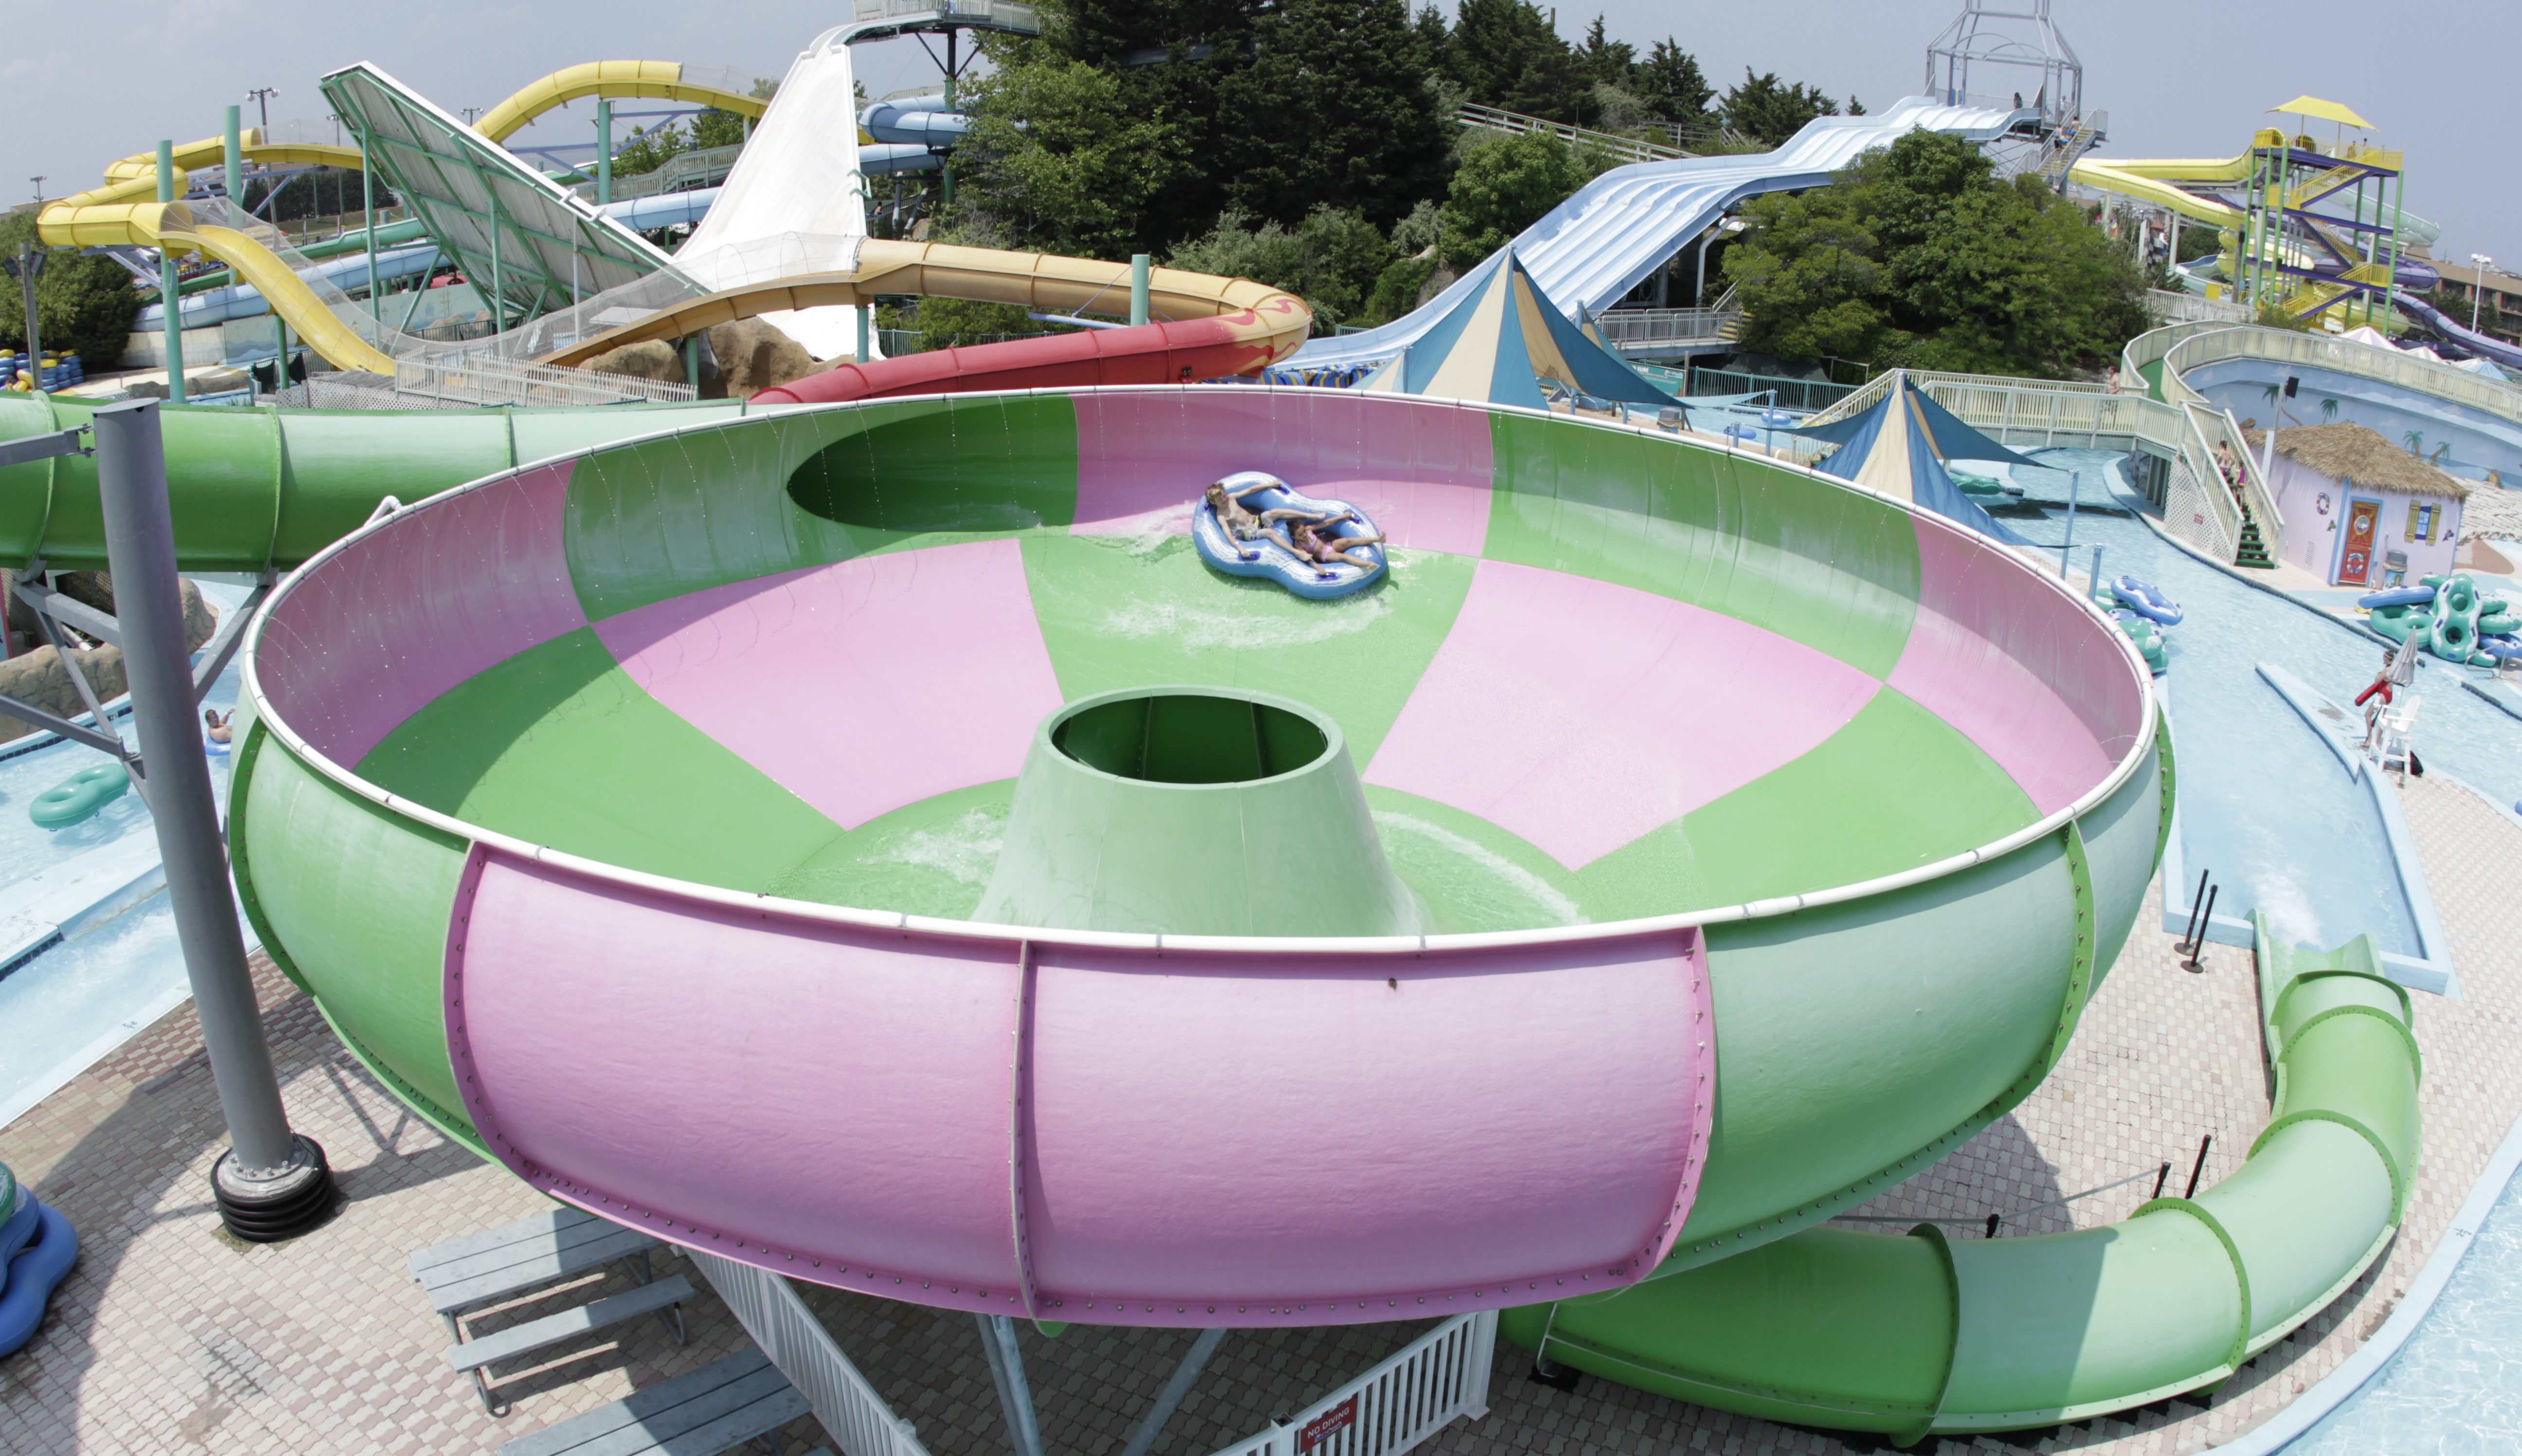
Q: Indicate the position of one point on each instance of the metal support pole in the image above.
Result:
(2198, 1167)
(2197, 904)
(27, 267)
(167, 298)
(272, 1182)
(692, 362)
(233, 157)
(867, 323)
(1006, 1372)
(1698, 284)
(368, 204)
(498, 289)
(603, 150)
(2093, 587)
(1139, 275)
(1170, 1399)
(946, 165)
(2074, 487)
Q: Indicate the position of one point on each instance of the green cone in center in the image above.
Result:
(1195, 811)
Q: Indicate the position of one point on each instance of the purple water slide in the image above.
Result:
(2495, 350)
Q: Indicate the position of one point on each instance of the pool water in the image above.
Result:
(74, 1002)
(2456, 1387)
(2265, 808)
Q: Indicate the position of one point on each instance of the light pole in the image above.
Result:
(2477, 286)
(25, 268)
(39, 188)
(262, 96)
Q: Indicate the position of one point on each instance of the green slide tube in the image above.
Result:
(1920, 1335)
(259, 488)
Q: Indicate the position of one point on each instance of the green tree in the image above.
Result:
(1668, 82)
(1503, 186)
(1059, 159)
(1287, 106)
(960, 323)
(1332, 259)
(83, 305)
(1332, 110)
(1504, 53)
(1919, 256)
(1768, 110)
(650, 148)
(1606, 62)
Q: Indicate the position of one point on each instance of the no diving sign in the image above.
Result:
(1324, 1427)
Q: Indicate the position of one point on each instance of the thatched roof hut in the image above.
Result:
(2351, 452)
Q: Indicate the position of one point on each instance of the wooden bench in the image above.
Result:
(701, 1413)
(502, 1263)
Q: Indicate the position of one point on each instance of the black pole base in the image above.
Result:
(267, 1211)
(1556, 1376)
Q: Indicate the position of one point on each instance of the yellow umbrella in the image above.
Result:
(2326, 110)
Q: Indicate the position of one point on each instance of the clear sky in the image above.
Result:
(87, 84)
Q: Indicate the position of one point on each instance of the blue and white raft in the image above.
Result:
(2147, 601)
(1264, 558)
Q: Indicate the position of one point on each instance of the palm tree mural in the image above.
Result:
(2416, 440)
(2328, 411)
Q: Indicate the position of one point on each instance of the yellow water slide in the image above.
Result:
(661, 80)
(2152, 180)
(125, 212)
(1036, 280)
(85, 221)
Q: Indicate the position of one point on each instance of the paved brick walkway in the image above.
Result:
(171, 1338)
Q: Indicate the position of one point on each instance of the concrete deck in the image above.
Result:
(171, 1338)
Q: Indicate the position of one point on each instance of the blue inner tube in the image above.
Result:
(33, 1273)
(1264, 559)
(2397, 596)
(2147, 601)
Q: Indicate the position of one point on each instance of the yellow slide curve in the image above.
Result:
(172, 226)
(1039, 281)
(124, 211)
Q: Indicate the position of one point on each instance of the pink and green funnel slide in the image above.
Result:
(866, 841)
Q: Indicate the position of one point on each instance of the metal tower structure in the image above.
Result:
(1991, 57)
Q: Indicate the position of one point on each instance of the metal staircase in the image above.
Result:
(2078, 140)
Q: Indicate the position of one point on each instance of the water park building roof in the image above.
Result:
(2351, 451)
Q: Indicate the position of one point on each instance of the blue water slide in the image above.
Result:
(2496, 350)
(924, 120)
(1617, 229)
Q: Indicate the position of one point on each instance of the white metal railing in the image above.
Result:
(2197, 346)
(1625, 148)
(2188, 307)
(2207, 479)
(850, 1410)
(1399, 1403)
(483, 381)
(704, 167)
(1650, 326)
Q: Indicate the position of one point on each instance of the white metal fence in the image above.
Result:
(2207, 345)
(2188, 307)
(1644, 328)
(1439, 1375)
(851, 1413)
(479, 381)
(1624, 148)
